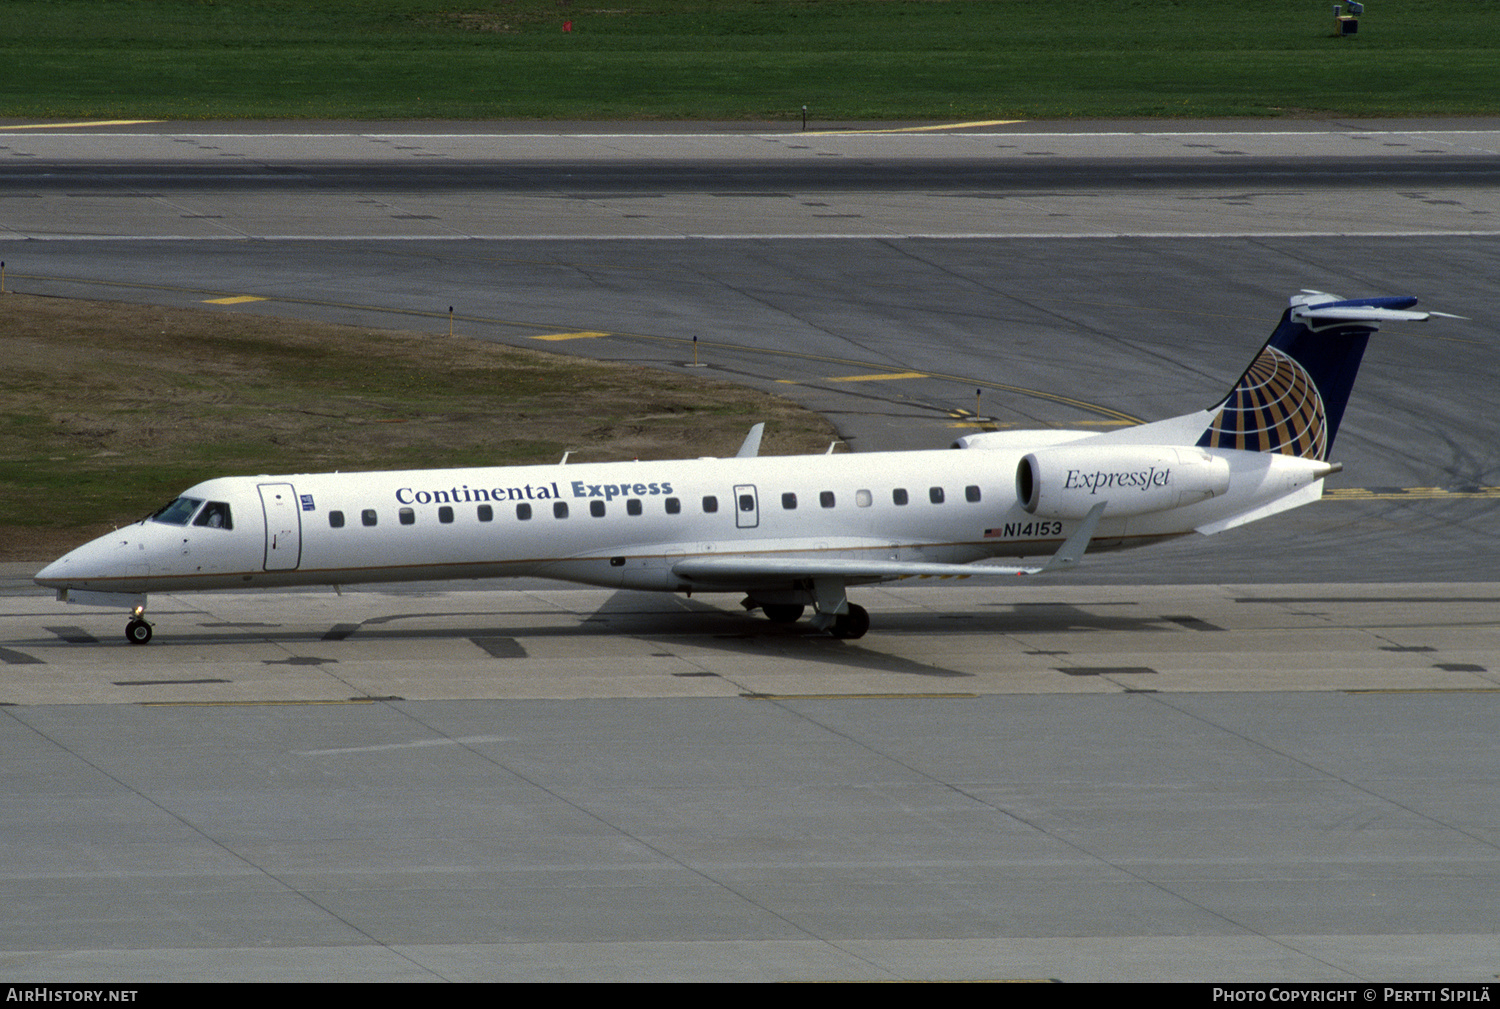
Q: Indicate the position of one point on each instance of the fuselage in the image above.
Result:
(612, 524)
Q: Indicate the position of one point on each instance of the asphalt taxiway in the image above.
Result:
(1264, 756)
(1237, 783)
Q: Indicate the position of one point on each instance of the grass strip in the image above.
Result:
(740, 59)
(109, 410)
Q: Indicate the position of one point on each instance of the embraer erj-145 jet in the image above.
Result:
(787, 532)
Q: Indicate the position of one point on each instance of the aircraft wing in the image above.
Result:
(760, 569)
(753, 569)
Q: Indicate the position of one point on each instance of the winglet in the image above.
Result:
(750, 447)
(1073, 547)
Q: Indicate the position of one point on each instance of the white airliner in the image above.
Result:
(787, 532)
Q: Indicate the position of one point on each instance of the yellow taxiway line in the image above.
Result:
(69, 126)
(920, 129)
(582, 335)
(889, 376)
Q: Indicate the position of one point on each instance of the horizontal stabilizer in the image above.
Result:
(1330, 307)
(1362, 314)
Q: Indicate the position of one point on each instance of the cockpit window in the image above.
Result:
(215, 515)
(178, 512)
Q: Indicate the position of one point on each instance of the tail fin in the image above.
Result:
(1292, 397)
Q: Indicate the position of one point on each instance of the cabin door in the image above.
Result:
(283, 526)
(746, 506)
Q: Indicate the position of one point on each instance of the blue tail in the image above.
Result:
(1292, 397)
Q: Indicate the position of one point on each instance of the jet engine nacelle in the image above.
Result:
(1065, 482)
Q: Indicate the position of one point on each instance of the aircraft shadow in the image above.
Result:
(670, 620)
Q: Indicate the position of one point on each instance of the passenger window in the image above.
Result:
(523, 511)
(559, 509)
(935, 495)
(826, 499)
(367, 516)
(862, 499)
(674, 506)
(596, 509)
(215, 515)
(407, 516)
(898, 496)
(486, 513)
(710, 505)
(335, 520)
(789, 502)
(633, 506)
(747, 502)
(445, 514)
(971, 493)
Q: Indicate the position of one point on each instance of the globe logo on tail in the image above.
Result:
(1274, 408)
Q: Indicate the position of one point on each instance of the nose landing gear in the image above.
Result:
(138, 630)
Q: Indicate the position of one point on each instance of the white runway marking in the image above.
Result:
(414, 744)
(766, 236)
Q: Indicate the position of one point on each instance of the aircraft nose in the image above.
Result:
(50, 575)
(108, 557)
(67, 569)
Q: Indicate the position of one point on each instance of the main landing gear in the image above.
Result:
(853, 623)
(138, 630)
